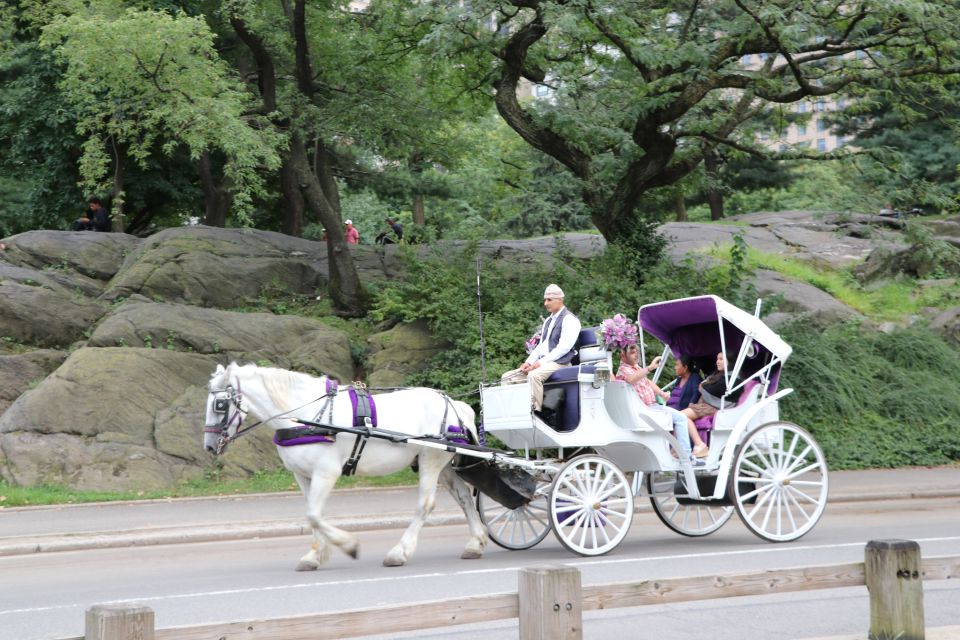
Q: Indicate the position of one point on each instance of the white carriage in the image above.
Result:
(607, 448)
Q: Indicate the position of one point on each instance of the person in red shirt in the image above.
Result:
(352, 235)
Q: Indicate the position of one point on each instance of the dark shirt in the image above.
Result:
(100, 219)
(716, 385)
(397, 229)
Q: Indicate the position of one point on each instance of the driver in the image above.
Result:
(555, 350)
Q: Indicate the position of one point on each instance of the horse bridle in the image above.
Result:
(229, 396)
(223, 399)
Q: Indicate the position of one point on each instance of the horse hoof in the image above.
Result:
(471, 554)
(353, 552)
(303, 565)
(393, 562)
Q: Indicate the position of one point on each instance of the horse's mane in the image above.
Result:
(280, 384)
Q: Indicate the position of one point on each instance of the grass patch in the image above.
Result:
(888, 300)
(260, 482)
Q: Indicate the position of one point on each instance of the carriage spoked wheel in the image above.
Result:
(591, 505)
(519, 528)
(778, 482)
(687, 518)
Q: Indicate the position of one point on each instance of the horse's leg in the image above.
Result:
(431, 464)
(319, 553)
(317, 491)
(464, 497)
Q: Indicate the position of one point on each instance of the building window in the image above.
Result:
(801, 107)
(542, 91)
(821, 144)
(784, 147)
(821, 105)
(821, 124)
(841, 141)
(746, 59)
(841, 104)
(801, 129)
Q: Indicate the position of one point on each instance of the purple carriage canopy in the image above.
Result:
(703, 326)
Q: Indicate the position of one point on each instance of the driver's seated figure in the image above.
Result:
(555, 350)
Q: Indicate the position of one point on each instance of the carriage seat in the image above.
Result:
(624, 407)
(727, 418)
(561, 391)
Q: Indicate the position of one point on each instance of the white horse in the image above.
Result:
(274, 395)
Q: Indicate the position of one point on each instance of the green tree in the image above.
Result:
(142, 80)
(641, 91)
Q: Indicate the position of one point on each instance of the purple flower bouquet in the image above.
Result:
(618, 332)
(534, 340)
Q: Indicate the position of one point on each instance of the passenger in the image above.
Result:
(631, 373)
(712, 390)
(684, 393)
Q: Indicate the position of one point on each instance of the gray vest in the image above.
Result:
(554, 338)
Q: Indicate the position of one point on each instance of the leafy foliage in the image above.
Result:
(874, 399)
(170, 89)
(441, 288)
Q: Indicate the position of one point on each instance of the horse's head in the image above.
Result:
(225, 412)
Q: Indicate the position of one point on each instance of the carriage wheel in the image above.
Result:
(686, 519)
(591, 505)
(519, 528)
(779, 482)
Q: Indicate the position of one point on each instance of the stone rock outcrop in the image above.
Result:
(19, 372)
(799, 298)
(43, 317)
(91, 255)
(399, 352)
(289, 342)
(221, 268)
(102, 433)
(947, 324)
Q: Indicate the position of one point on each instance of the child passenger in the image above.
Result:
(631, 373)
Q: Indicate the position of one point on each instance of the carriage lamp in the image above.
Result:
(601, 375)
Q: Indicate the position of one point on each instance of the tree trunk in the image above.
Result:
(346, 291)
(680, 205)
(714, 195)
(419, 216)
(216, 196)
(116, 214)
(294, 206)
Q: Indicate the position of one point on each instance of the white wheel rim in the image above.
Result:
(591, 506)
(780, 482)
(689, 520)
(519, 528)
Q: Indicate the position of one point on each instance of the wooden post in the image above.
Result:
(893, 576)
(124, 621)
(550, 603)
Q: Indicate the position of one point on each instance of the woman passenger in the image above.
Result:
(712, 391)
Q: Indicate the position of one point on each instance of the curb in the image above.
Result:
(279, 529)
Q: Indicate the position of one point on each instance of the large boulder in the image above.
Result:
(800, 298)
(102, 433)
(19, 372)
(947, 324)
(53, 279)
(289, 342)
(396, 354)
(84, 253)
(44, 317)
(222, 268)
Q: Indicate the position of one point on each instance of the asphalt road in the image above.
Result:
(44, 595)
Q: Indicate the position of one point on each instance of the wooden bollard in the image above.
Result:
(550, 603)
(894, 579)
(125, 621)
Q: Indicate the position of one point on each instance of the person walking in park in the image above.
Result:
(352, 235)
